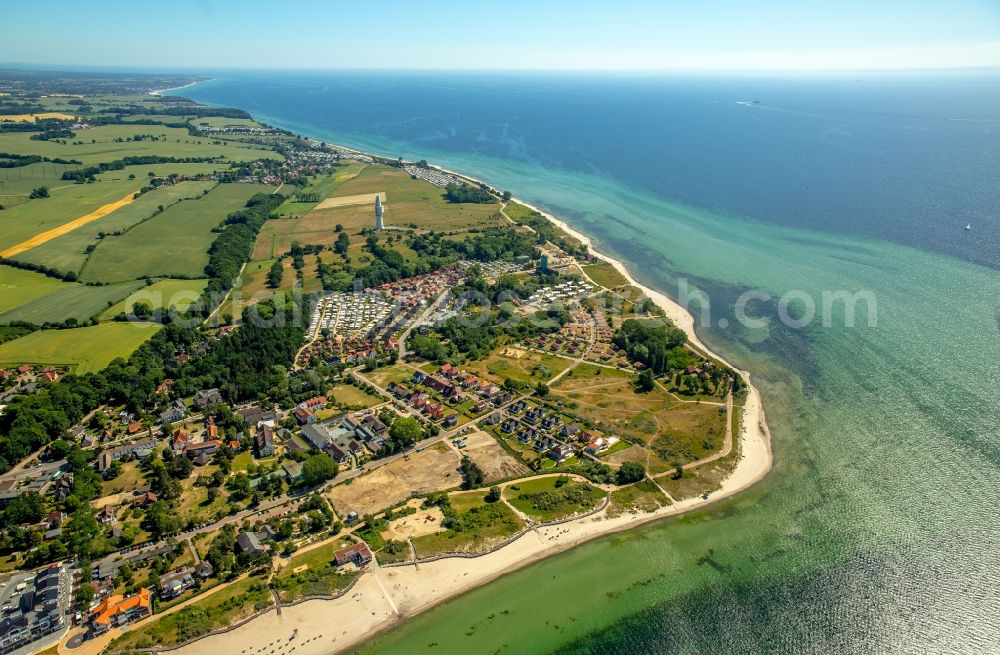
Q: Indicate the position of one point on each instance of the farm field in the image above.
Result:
(85, 350)
(179, 294)
(174, 243)
(408, 202)
(67, 203)
(71, 301)
(17, 183)
(322, 186)
(68, 252)
(18, 287)
(142, 171)
(99, 144)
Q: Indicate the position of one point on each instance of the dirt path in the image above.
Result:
(65, 228)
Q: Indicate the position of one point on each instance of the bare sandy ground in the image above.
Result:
(491, 457)
(426, 471)
(425, 521)
(384, 596)
(347, 201)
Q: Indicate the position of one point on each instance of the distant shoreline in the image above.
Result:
(160, 92)
(371, 608)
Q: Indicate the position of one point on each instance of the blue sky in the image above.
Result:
(514, 34)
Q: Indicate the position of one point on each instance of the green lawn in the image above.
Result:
(86, 349)
(463, 501)
(164, 293)
(352, 397)
(546, 499)
(68, 252)
(174, 243)
(70, 301)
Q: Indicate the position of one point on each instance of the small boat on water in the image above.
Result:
(968, 226)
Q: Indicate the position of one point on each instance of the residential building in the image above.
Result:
(264, 440)
(117, 610)
(175, 583)
(358, 554)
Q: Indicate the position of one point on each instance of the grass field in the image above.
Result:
(17, 183)
(99, 144)
(65, 203)
(529, 367)
(179, 294)
(482, 526)
(86, 349)
(669, 427)
(605, 275)
(68, 252)
(174, 243)
(71, 301)
(19, 287)
(546, 499)
(350, 396)
(408, 202)
(142, 171)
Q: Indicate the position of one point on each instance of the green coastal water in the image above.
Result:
(877, 531)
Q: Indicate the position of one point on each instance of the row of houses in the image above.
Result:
(134, 450)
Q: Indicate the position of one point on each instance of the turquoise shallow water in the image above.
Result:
(877, 531)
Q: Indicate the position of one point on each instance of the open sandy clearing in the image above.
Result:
(426, 521)
(491, 457)
(347, 201)
(65, 228)
(431, 470)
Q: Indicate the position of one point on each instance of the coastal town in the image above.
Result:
(385, 366)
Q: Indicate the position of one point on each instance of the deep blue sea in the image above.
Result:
(909, 158)
(878, 530)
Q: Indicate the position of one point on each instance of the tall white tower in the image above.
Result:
(378, 213)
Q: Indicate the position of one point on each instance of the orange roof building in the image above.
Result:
(117, 610)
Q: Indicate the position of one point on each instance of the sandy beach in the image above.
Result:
(384, 596)
(159, 92)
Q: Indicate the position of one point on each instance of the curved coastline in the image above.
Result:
(384, 597)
